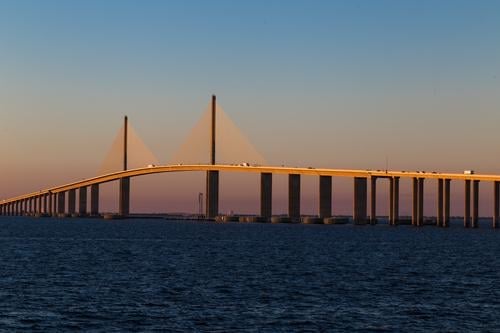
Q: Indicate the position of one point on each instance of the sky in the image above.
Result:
(414, 85)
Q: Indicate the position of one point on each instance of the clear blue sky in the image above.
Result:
(323, 83)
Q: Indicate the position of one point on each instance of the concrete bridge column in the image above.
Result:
(50, 211)
(16, 208)
(475, 203)
(61, 202)
(421, 201)
(39, 204)
(373, 200)
(71, 201)
(212, 194)
(440, 192)
(391, 201)
(496, 204)
(360, 198)
(266, 194)
(325, 196)
(294, 196)
(414, 215)
(94, 200)
(30, 205)
(467, 204)
(44, 207)
(82, 201)
(54, 203)
(395, 206)
(124, 198)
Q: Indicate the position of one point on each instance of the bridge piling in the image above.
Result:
(82, 201)
(124, 197)
(496, 204)
(212, 194)
(391, 201)
(325, 196)
(414, 215)
(440, 192)
(395, 206)
(266, 195)
(71, 202)
(419, 202)
(373, 200)
(475, 204)
(61, 203)
(94, 200)
(294, 196)
(360, 200)
(467, 216)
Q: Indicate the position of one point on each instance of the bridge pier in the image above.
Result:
(45, 201)
(94, 199)
(212, 194)
(440, 192)
(61, 202)
(50, 211)
(396, 201)
(124, 199)
(266, 195)
(418, 202)
(294, 196)
(39, 204)
(447, 202)
(467, 204)
(325, 196)
(391, 201)
(360, 200)
(496, 204)
(373, 200)
(54, 204)
(475, 203)
(82, 201)
(71, 202)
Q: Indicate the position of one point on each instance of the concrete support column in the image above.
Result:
(440, 192)
(373, 200)
(50, 210)
(496, 204)
(45, 203)
(61, 202)
(39, 204)
(475, 203)
(414, 215)
(82, 201)
(212, 194)
(421, 201)
(391, 201)
(124, 198)
(266, 194)
(71, 201)
(360, 198)
(54, 203)
(294, 196)
(16, 208)
(94, 200)
(395, 213)
(30, 205)
(467, 204)
(325, 196)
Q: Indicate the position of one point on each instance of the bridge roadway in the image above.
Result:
(360, 193)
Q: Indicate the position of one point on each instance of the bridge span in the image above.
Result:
(53, 200)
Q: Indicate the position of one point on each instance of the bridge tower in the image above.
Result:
(212, 185)
(124, 198)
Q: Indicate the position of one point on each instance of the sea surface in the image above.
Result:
(175, 276)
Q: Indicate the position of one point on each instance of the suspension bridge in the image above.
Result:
(61, 200)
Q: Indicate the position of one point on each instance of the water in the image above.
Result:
(154, 275)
